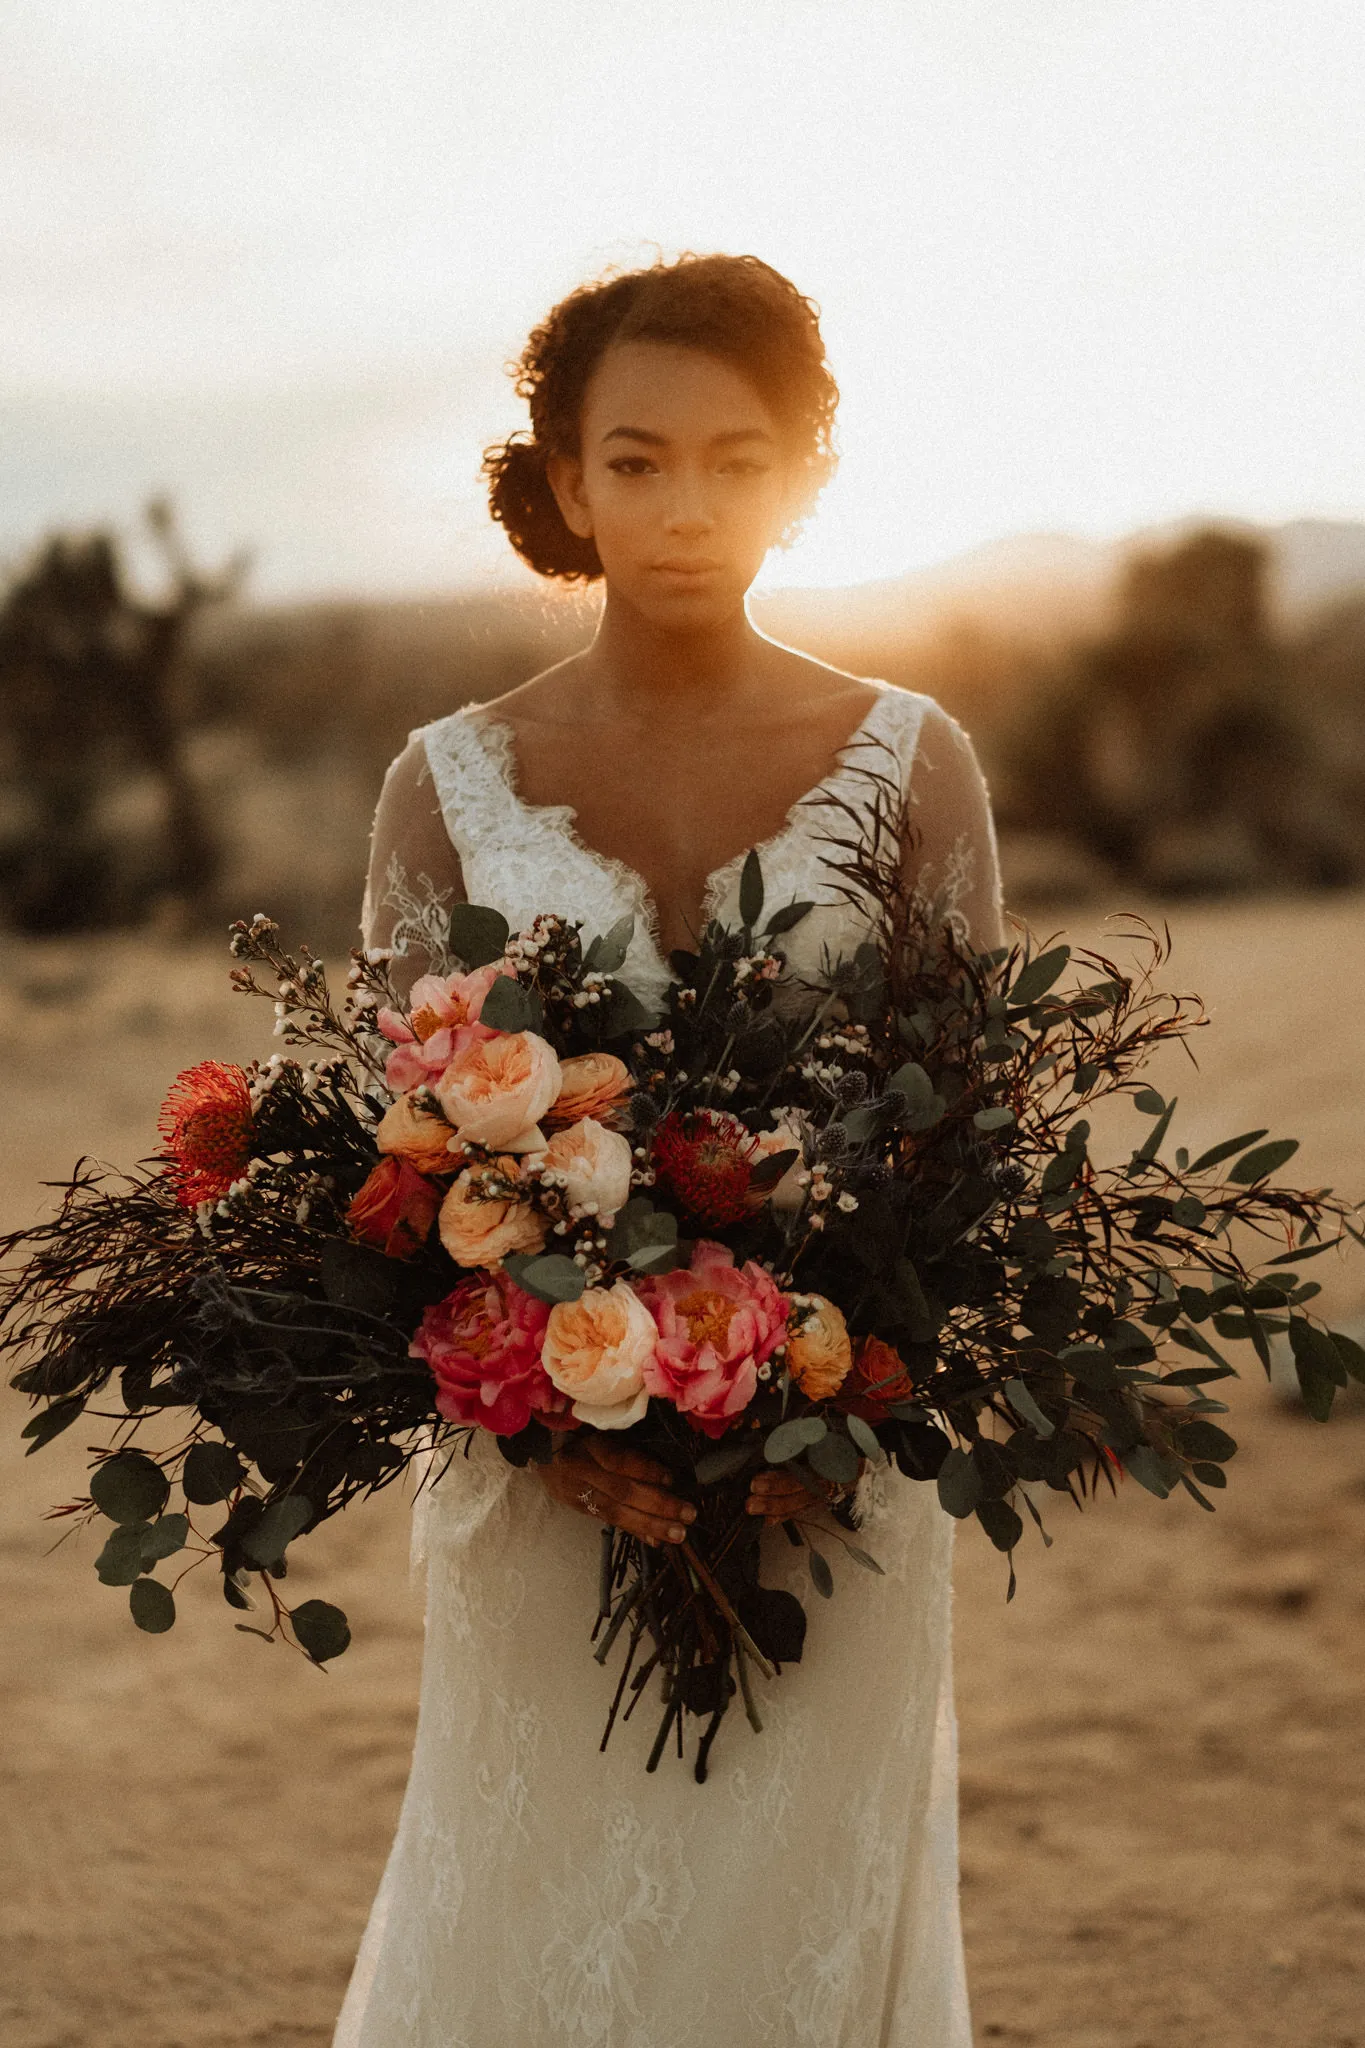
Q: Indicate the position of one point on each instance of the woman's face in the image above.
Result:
(681, 480)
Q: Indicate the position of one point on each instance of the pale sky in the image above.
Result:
(1084, 264)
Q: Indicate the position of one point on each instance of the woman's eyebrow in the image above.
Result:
(725, 440)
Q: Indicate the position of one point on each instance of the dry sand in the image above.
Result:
(1163, 1784)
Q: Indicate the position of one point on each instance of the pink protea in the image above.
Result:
(483, 1345)
(717, 1324)
(443, 1015)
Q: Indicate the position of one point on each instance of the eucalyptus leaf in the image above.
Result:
(1216, 1154)
(722, 1461)
(550, 1276)
(1151, 1469)
(210, 1473)
(1206, 1442)
(865, 1558)
(1351, 1354)
(997, 1118)
(864, 1436)
(321, 1628)
(1000, 1523)
(608, 951)
(1151, 1145)
(152, 1605)
(281, 1522)
(770, 1170)
(834, 1457)
(1265, 1159)
(129, 1487)
(1037, 977)
(959, 1484)
(820, 1573)
(751, 889)
(56, 1417)
(120, 1561)
(789, 1439)
(164, 1537)
(786, 919)
(1024, 1405)
(510, 1007)
(478, 934)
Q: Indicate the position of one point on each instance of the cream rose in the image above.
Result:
(786, 1136)
(819, 1353)
(595, 1350)
(496, 1090)
(421, 1136)
(590, 1084)
(595, 1163)
(483, 1217)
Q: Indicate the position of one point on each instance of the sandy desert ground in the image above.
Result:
(1163, 1770)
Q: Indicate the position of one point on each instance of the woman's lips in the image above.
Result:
(680, 568)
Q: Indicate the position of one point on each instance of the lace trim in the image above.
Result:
(498, 742)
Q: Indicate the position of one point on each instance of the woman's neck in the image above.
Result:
(635, 670)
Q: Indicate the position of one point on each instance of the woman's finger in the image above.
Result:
(623, 1458)
(668, 1526)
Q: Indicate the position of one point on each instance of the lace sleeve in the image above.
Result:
(414, 873)
(955, 863)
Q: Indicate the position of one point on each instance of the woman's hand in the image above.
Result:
(613, 1483)
(781, 1496)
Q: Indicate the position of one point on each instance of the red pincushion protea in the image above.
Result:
(205, 1126)
(706, 1156)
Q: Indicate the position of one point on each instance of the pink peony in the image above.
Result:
(443, 1016)
(717, 1324)
(483, 1345)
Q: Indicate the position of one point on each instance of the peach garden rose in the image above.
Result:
(496, 1089)
(594, 1164)
(486, 1215)
(421, 1136)
(596, 1350)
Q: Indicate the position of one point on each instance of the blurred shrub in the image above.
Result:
(1189, 748)
(99, 814)
(230, 758)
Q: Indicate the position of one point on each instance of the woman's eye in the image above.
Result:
(743, 467)
(631, 465)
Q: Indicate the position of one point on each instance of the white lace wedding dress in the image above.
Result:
(540, 1893)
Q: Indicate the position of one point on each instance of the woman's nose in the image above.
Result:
(689, 511)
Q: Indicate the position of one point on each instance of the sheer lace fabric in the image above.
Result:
(538, 1891)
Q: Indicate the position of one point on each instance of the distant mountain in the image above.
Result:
(1047, 581)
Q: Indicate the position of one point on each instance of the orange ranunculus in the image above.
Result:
(421, 1136)
(878, 1380)
(484, 1216)
(395, 1209)
(590, 1084)
(819, 1353)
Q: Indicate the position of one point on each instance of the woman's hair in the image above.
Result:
(733, 307)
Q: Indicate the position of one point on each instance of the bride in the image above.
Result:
(541, 1893)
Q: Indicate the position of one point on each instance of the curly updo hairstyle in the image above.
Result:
(736, 308)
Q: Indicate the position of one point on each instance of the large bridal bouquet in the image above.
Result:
(820, 1224)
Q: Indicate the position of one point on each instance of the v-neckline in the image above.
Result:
(564, 817)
